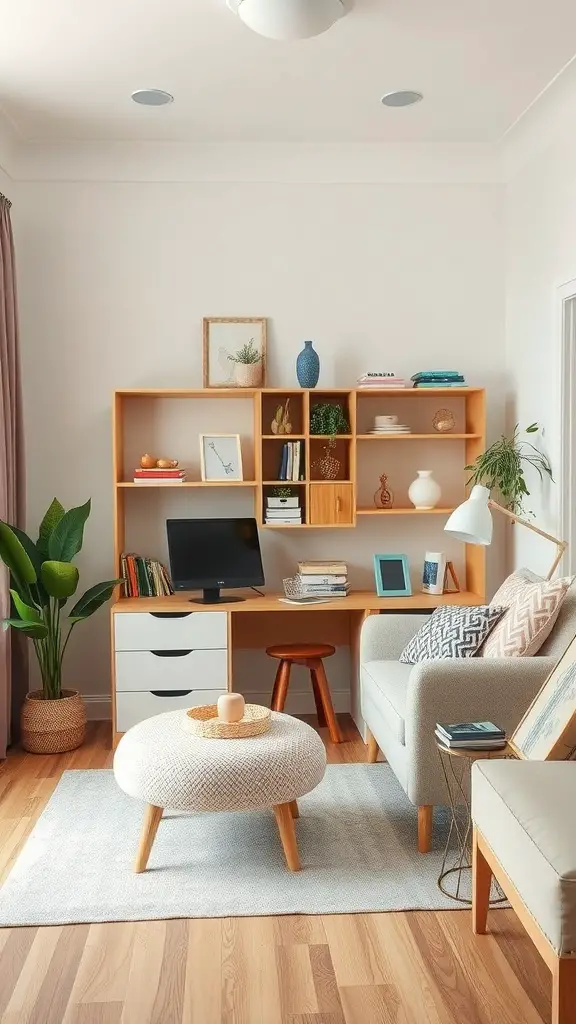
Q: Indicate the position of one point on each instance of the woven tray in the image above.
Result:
(204, 722)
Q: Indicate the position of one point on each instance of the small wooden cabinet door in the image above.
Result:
(331, 503)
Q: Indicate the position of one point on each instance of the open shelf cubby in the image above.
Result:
(168, 422)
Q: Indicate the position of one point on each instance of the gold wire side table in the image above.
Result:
(456, 865)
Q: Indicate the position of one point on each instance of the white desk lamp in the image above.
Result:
(471, 522)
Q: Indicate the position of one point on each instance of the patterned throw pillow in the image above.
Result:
(451, 632)
(532, 607)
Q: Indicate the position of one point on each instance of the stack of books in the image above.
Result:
(323, 579)
(438, 379)
(379, 380)
(159, 476)
(471, 736)
(283, 512)
(291, 461)
(145, 577)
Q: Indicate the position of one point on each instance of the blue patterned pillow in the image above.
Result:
(451, 632)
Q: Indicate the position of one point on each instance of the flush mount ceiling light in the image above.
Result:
(401, 98)
(152, 97)
(289, 19)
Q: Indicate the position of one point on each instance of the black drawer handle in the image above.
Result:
(171, 654)
(170, 615)
(170, 693)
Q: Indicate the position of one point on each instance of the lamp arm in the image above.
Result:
(560, 544)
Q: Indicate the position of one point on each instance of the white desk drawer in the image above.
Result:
(132, 708)
(171, 670)
(146, 631)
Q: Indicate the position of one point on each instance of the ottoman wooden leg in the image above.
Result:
(285, 822)
(294, 809)
(150, 824)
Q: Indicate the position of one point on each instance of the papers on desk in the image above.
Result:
(306, 600)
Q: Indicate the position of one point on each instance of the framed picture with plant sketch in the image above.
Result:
(234, 352)
(220, 457)
(548, 730)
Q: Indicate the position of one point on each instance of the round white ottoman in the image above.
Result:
(159, 762)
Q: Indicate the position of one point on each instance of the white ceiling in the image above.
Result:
(67, 69)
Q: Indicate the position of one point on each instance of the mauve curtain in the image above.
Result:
(13, 675)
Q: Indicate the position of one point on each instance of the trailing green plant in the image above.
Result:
(284, 492)
(248, 354)
(42, 580)
(501, 467)
(328, 418)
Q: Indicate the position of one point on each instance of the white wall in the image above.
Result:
(115, 279)
(541, 256)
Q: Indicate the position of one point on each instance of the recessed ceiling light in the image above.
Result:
(152, 97)
(401, 98)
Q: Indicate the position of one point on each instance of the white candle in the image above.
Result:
(231, 707)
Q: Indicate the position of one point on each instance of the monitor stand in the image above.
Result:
(212, 595)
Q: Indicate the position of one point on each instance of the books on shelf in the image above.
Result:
(291, 465)
(438, 379)
(471, 735)
(145, 577)
(159, 476)
(323, 579)
(381, 379)
(323, 568)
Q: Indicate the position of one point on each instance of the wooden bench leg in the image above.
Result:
(152, 816)
(564, 991)
(317, 666)
(425, 820)
(285, 822)
(373, 748)
(481, 884)
(281, 684)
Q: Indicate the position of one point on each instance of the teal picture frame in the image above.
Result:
(380, 563)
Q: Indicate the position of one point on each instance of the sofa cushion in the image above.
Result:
(451, 632)
(532, 607)
(387, 683)
(524, 810)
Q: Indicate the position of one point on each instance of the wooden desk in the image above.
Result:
(250, 624)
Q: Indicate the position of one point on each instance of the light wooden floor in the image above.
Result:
(410, 968)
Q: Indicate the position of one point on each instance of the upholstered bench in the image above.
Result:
(159, 762)
(524, 815)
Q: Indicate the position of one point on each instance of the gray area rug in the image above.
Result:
(356, 835)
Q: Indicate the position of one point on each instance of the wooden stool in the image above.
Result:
(311, 656)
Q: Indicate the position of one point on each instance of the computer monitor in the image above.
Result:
(206, 554)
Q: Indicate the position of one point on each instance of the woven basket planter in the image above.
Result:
(249, 375)
(52, 726)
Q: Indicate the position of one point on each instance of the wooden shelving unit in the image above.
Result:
(326, 503)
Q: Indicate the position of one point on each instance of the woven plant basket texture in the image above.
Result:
(52, 726)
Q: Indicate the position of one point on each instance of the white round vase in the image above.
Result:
(424, 492)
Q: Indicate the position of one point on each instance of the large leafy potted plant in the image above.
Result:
(501, 467)
(42, 580)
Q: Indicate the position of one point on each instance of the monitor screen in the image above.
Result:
(212, 553)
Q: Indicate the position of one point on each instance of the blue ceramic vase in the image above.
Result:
(308, 366)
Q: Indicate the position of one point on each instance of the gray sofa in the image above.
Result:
(402, 703)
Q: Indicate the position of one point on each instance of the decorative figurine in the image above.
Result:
(328, 465)
(383, 498)
(281, 423)
(151, 462)
(148, 462)
(443, 421)
(167, 463)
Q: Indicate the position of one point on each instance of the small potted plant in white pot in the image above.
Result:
(248, 362)
(43, 579)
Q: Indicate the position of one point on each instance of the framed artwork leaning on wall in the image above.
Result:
(234, 352)
(220, 457)
(548, 730)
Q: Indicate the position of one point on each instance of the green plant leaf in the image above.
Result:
(38, 594)
(15, 558)
(60, 578)
(26, 612)
(35, 630)
(52, 517)
(93, 599)
(66, 539)
(532, 429)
